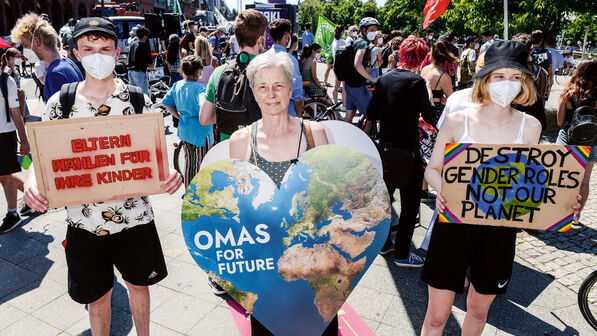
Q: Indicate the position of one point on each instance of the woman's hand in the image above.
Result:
(440, 203)
(576, 207)
(32, 196)
(173, 182)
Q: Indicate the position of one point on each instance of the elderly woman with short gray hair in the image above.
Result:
(275, 141)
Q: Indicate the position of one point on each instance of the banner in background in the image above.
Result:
(324, 36)
(434, 9)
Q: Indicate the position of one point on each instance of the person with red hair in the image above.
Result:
(400, 96)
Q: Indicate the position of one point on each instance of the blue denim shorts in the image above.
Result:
(357, 98)
(563, 140)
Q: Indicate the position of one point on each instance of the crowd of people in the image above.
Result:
(494, 93)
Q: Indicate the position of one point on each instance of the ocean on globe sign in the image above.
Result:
(291, 255)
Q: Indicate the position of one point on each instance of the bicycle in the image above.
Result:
(587, 299)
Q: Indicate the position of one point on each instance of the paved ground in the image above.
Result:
(541, 299)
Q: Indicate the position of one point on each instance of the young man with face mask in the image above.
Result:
(96, 242)
(39, 41)
(357, 94)
(279, 30)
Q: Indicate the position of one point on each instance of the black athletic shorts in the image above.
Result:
(9, 163)
(136, 253)
(487, 250)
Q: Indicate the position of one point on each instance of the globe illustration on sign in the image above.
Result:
(498, 196)
(288, 255)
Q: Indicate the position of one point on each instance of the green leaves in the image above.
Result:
(465, 17)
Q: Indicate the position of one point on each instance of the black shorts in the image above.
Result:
(9, 163)
(136, 253)
(487, 250)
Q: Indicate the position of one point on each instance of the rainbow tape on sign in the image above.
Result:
(562, 226)
(448, 217)
(580, 153)
(452, 151)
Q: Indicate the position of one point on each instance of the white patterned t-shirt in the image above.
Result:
(110, 217)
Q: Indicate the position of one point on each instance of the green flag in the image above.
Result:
(325, 35)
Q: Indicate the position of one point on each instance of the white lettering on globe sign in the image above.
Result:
(234, 262)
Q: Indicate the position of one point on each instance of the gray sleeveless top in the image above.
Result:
(274, 169)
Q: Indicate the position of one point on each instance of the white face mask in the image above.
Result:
(380, 40)
(371, 36)
(353, 34)
(504, 92)
(477, 45)
(31, 56)
(289, 44)
(98, 65)
(317, 56)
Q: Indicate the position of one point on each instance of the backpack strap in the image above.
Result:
(4, 88)
(137, 98)
(68, 92)
(309, 134)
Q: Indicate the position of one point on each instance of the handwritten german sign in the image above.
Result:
(89, 160)
(523, 186)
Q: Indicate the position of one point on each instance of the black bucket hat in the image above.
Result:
(94, 24)
(505, 54)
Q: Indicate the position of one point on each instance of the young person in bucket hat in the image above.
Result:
(119, 233)
(487, 251)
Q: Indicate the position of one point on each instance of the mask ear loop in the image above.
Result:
(37, 25)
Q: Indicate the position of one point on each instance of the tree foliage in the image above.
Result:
(464, 17)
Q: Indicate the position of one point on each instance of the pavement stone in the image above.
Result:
(541, 299)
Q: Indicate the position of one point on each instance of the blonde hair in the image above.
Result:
(203, 49)
(32, 25)
(526, 97)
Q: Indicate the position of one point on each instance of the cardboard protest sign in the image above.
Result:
(89, 160)
(290, 256)
(523, 186)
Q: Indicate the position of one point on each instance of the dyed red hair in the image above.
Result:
(412, 52)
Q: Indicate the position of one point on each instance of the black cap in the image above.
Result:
(505, 54)
(94, 24)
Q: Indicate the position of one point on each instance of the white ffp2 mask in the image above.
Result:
(504, 92)
(98, 65)
(31, 56)
(370, 36)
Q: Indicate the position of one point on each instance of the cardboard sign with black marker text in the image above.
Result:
(90, 160)
(522, 186)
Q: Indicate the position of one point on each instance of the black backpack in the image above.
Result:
(583, 127)
(235, 104)
(344, 63)
(68, 93)
(4, 88)
(385, 55)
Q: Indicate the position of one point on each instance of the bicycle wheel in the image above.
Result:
(314, 107)
(179, 158)
(587, 299)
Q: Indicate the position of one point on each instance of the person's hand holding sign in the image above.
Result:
(173, 182)
(24, 149)
(32, 196)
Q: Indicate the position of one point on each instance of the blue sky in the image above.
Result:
(232, 3)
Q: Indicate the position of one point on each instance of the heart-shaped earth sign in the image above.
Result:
(290, 256)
